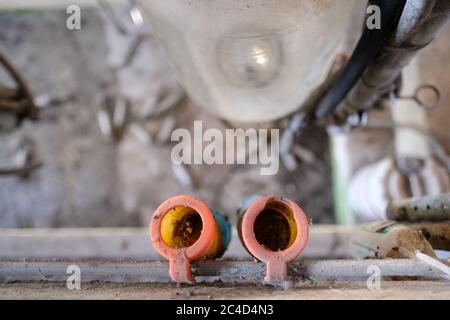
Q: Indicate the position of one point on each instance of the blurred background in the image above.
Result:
(90, 178)
(108, 99)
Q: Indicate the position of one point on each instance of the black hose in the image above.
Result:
(369, 44)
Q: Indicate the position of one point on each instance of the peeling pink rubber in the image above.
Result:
(276, 262)
(179, 259)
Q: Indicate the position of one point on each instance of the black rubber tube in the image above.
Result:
(369, 44)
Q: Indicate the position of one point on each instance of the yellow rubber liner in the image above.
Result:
(181, 228)
(287, 213)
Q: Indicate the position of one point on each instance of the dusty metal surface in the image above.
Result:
(414, 290)
(206, 271)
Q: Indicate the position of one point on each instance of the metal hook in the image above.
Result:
(422, 91)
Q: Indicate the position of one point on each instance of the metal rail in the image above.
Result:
(130, 271)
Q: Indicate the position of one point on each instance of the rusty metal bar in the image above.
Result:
(428, 208)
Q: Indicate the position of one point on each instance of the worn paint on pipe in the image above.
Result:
(274, 230)
(184, 229)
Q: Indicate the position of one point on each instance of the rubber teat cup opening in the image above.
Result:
(181, 227)
(275, 227)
